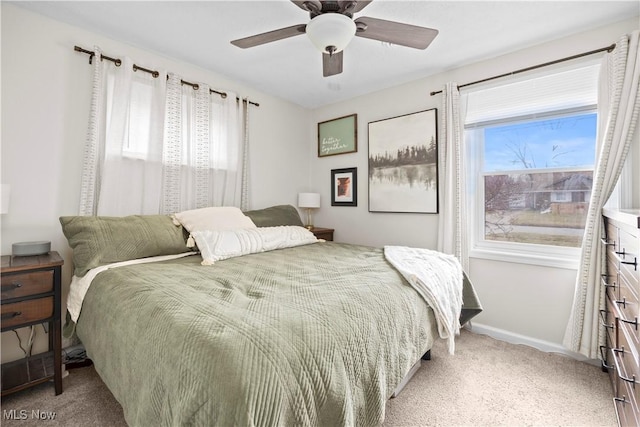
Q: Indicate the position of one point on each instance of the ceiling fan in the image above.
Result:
(332, 27)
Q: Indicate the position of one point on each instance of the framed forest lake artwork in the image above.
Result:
(403, 164)
(338, 136)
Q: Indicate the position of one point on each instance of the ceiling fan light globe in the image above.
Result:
(331, 30)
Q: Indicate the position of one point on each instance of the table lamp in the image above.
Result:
(309, 201)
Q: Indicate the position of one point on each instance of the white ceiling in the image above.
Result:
(199, 32)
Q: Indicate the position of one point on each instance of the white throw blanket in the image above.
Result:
(438, 278)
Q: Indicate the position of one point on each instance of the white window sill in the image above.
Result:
(556, 260)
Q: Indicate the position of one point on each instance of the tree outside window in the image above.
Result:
(537, 178)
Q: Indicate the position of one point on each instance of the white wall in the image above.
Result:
(518, 299)
(45, 100)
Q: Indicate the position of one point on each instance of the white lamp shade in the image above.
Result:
(308, 200)
(331, 29)
(5, 195)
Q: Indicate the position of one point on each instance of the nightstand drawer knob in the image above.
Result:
(11, 315)
(11, 287)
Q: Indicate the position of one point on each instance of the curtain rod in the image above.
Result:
(533, 67)
(154, 73)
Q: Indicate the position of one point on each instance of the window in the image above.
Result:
(138, 140)
(144, 135)
(530, 154)
(537, 178)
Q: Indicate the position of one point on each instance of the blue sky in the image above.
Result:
(553, 143)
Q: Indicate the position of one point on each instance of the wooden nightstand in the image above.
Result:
(323, 233)
(31, 293)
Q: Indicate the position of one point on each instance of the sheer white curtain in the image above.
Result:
(155, 145)
(205, 148)
(230, 154)
(452, 232)
(122, 169)
(618, 106)
(130, 179)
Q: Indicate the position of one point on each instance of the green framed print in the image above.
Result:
(338, 136)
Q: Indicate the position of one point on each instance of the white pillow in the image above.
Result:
(216, 245)
(212, 218)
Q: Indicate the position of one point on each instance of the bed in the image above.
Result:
(319, 333)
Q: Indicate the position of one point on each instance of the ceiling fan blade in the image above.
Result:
(352, 6)
(270, 36)
(331, 64)
(395, 32)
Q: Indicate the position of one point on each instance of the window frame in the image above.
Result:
(523, 253)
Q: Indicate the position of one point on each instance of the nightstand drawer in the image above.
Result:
(323, 233)
(20, 285)
(25, 312)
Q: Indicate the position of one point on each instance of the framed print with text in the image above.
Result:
(338, 136)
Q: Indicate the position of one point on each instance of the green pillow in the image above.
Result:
(100, 240)
(275, 216)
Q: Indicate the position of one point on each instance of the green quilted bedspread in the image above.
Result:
(315, 335)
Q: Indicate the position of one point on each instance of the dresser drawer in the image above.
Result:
(610, 366)
(612, 239)
(608, 318)
(21, 285)
(24, 312)
(629, 258)
(626, 362)
(610, 280)
(611, 230)
(625, 405)
(628, 308)
(609, 321)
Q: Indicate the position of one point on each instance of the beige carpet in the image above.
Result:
(486, 383)
(493, 383)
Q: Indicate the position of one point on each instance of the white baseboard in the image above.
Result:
(513, 338)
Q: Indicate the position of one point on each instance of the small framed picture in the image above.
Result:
(338, 136)
(344, 187)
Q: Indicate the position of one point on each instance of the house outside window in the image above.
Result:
(530, 149)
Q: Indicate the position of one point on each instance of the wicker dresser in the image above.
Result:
(622, 281)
